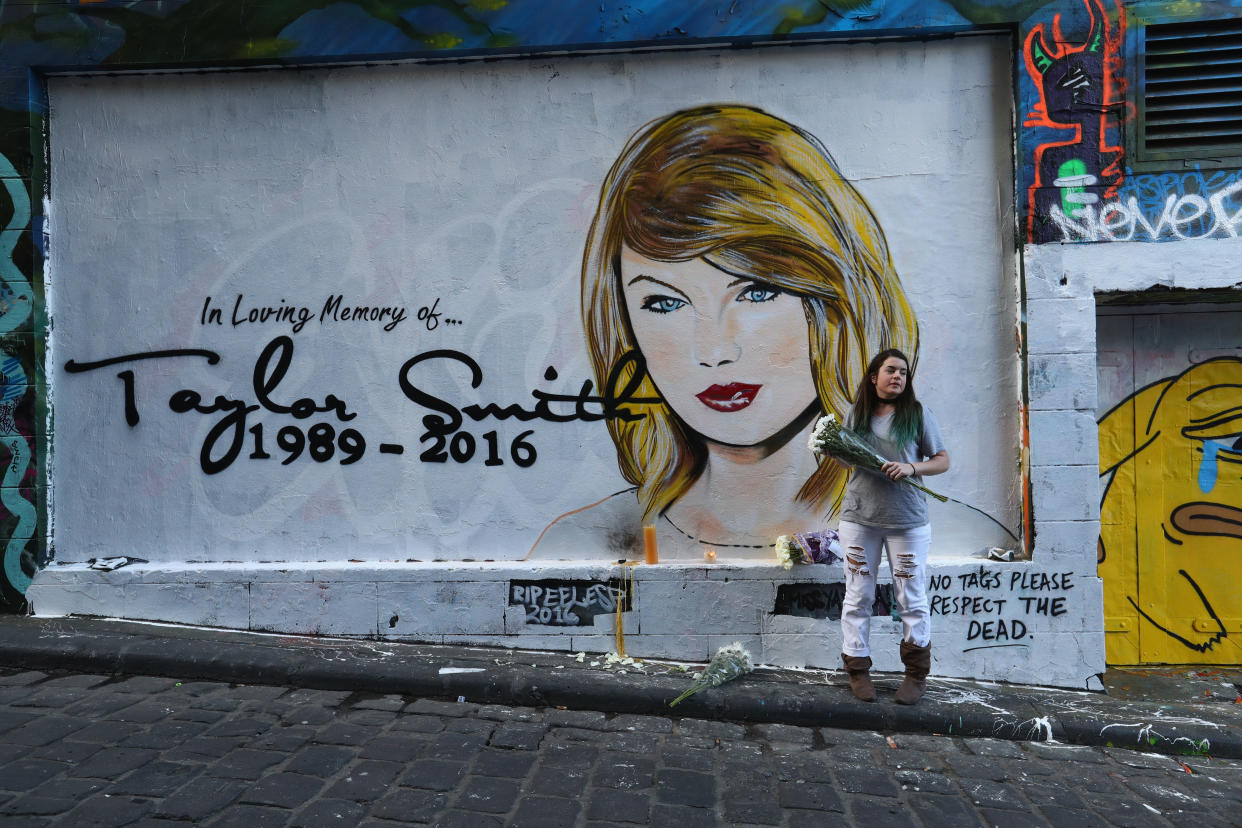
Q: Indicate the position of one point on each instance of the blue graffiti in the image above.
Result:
(1207, 466)
(1152, 191)
(1159, 207)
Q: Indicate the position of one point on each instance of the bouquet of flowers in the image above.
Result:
(728, 663)
(831, 437)
(808, 547)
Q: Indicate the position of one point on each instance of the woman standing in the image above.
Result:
(877, 512)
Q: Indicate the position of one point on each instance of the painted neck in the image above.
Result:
(748, 494)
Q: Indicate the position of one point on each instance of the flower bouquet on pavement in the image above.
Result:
(831, 437)
(728, 663)
(808, 548)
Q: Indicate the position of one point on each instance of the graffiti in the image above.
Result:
(1187, 216)
(18, 569)
(7, 424)
(825, 601)
(1079, 89)
(612, 403)
(566, 603)
(992, 608)
(1171, 459)
(1199, 647)
(270, 368)
(296, 316)
(1153, 191)
(997, 605)
(442, 430)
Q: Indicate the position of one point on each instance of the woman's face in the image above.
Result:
(890, 380)
(731, 356)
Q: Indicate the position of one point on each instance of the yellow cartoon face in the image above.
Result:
(1215, 431)
(1171, 518)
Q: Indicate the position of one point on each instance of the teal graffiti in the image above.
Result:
(16, 385)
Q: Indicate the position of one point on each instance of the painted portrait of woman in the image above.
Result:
(733, 266)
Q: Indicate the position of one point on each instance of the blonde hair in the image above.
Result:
(756, 197)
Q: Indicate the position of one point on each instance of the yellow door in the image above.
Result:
(1171, 518)
(1170, 437)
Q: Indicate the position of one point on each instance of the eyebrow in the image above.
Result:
(644, 277)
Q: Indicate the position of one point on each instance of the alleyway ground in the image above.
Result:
(83, 743)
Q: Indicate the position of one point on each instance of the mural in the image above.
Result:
(1171, 508)
(414, 348)
(735, 284)
(1080, 90)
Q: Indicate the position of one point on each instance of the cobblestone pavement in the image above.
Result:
(87, 750)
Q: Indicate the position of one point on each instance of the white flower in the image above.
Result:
(823, 426)
(785, 552)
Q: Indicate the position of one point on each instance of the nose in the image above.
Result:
(714, 342)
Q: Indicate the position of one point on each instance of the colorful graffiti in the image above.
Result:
(1080, 88)
(1161, 207)
(1171, 518)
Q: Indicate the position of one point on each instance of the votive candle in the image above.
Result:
(650, 553)
(710, 556)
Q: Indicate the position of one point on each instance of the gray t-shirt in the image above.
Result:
(872, 499)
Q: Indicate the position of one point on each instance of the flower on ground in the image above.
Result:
(728, 663)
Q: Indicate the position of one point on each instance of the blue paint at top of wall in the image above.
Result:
(342, 29)
(88, 34)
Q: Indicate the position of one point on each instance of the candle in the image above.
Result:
(651, 555)
(710, 556)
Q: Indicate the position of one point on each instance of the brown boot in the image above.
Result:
(918, 665)
(859, 672)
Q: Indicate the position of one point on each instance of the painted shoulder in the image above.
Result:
(605, 530)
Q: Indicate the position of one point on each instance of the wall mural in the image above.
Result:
(414, 348)
(1171, 507)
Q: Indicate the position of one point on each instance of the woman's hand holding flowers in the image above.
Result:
(897, 471)
(830, 438)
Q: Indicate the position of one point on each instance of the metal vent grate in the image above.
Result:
(1192, 88)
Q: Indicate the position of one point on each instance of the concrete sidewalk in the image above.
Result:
(1186, 711)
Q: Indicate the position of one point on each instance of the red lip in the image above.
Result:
(732, 397)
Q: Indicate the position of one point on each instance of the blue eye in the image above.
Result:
(758, 293)
(662, 304)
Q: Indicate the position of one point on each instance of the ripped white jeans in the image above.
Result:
(907, 557)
